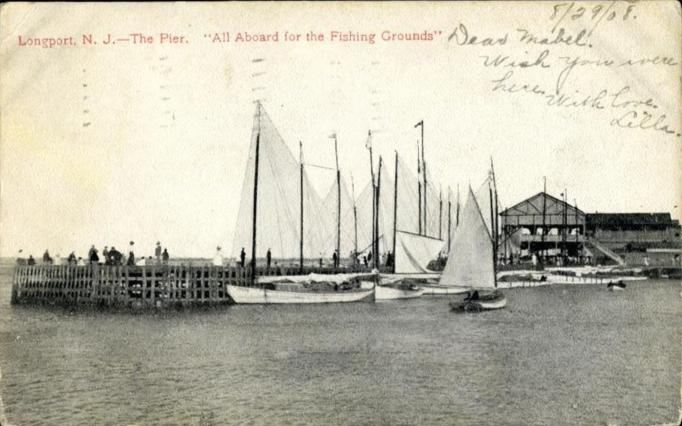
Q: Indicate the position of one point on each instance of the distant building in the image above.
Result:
(640, 238)
(640, 230)
(548, 228)
(544, 226)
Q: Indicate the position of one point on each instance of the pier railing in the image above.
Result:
(154, 285)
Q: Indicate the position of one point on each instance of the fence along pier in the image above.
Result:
(125, 286)
(137, 286)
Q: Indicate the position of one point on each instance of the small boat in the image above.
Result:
(471, 264)
(477, 301)
(616, 286)
(312, 288)
(397, 290)
(428, 283)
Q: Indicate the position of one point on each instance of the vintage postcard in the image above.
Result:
(340, 213)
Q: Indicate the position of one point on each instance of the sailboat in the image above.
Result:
(279, 168)
(303, 289)
(394, 286)
(471, 266)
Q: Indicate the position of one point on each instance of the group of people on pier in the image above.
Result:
(109, 256)
(387, 259)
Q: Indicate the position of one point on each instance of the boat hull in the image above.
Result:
(383, 292)
(438, 290)
(262, 296)
(620, 286)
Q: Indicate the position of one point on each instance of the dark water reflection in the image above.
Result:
(559, 355)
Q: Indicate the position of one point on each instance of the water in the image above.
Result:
(557, 355)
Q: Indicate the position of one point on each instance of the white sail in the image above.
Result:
(483, 198)
(279, 199)
(413, 252)
(471, 261)
(329, 221)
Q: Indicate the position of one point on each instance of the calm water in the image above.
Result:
(560, 355)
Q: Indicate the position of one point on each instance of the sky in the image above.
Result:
(107, 144)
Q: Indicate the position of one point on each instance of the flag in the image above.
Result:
(368, 144)
(421, 123)
(332, 136)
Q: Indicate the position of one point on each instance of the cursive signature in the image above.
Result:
(643, 120)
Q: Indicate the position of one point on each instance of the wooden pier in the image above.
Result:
(155, 286)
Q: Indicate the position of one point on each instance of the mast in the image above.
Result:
(496, 224)
(355, 221)
(577, 233)
(563, 233)
(395, 207)
(377, 262)
(421, 125)
(419, 187)
(440, 214)
(457, 217)
(492, 213)
(449, 220)
(371, 168)
(255, 203)
(338, 201)
(300, 155)
(544, 216)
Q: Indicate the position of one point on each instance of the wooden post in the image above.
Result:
(172, 282)
(152, 291)
(15, 274)
(203, 286)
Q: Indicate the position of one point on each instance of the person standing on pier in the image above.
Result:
(105, 253)
(389, 259)
(115, 257)
(92, 255)
(335, 259)
(131, 255)
(242, 258)
(46, 257)
(218, 258)
(165, 256)
(157, 252)
(268, 258)
(31, 261)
